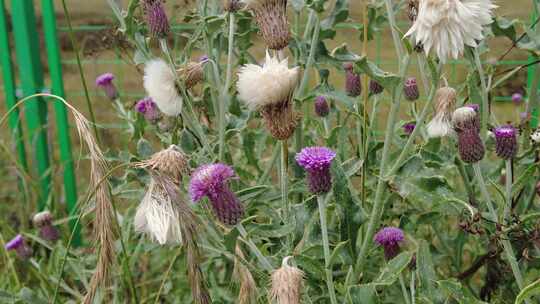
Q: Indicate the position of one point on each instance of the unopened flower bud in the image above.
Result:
(411, 89)
(43, 221)
(353, 83)
(375, 88)
(466, 124)
(156, 18)
(506, 145)
(321, 106)
(408, 128)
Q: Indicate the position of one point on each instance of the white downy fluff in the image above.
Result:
(159, 83)
(462, 115)
(271, 83)
(446, 26)
(440, 126)
(535, 136)
(157, 217)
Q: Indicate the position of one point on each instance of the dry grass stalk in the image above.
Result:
(287, 282)
(248, 288)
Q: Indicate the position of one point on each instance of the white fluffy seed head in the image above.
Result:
(158, 217)
(535, 136)
(160, 84)
(440, 125)
(463, 115)
(446, 26)
(274, 82)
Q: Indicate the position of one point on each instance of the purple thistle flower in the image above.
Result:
(408, 128)
(316, 161)
(473, 106)
(19, 245)
(353, 84)
(148, 108)
(321, 106)
(375, 88)
(204, 59)
(506, 145)
(43, 221)
(517, 98)
(211, 181)
(389, 238)
(410, 89)
(104, 81)
(156, 18)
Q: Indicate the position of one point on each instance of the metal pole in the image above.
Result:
(31, 77)
(55, 71)
(530, 74)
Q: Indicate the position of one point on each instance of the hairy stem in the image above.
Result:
(262, 259)
(483, 93)
(404, 288)
(395, 34)
(326, 248)
(225, 92)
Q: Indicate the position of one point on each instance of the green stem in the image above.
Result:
(81, 73)
(485, 101)
(167, 273)
(262, 259)
(284, 179)
(395, 34)
(413, 288)
(508, 190)
(378, 206)
(228, 77)
(326, 248)
(509, 252)
(10, 262)
(404, 288)
(465, 177)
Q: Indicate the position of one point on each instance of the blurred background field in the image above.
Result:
(94, 29)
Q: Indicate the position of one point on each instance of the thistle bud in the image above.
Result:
(105, 81)
(353, 84)
(212, 181)
(43, 221)
(517, 98)
(156, 18)
(390, 238)
(271, 17)
(317, 161)
(506, 145)
(466, 124)
(375, 88)
(321, 106)
(287, 284)
(408, 128)
(148, 108)
(23, 250)
(440, 125)
(411, 89)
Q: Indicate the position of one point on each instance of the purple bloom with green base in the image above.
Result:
(389, 238)
(19, 245)
(212, 181)
(506, 145)
(105, 81)
(148, 108)
(317, 161)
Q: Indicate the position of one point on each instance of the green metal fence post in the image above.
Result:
(530, 74)
(55, 71)
(9, 87)
(31, 77)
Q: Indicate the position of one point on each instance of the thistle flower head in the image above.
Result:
(43, 221)
(375, 88)
(390, 238)
(408, 128)
(170, 162)
(287, 282)
(148, 108)
(317, 161)
(410, 89)
(321, 106)
(160, 84)
(271, 83)
(105, 81)
(271, 17)
(446, 26)
(466, 124)
(156, 18)
(353, 83)
(18, 244)
(212, 181)
(517, 98)
(440, 125)
(506, 145)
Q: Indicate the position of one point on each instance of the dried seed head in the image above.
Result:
(375, 88)
(271, 17)
(465, 118)
(412, 10)
(287, 283)
(440, 125)
(248, 287)
(43, 218)
(193, 73)
(170, 162)
(410, 89)
(43, 221)
(535, 136)
(506, 145)
(156, 18)
(281, 119)
(353, 83)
